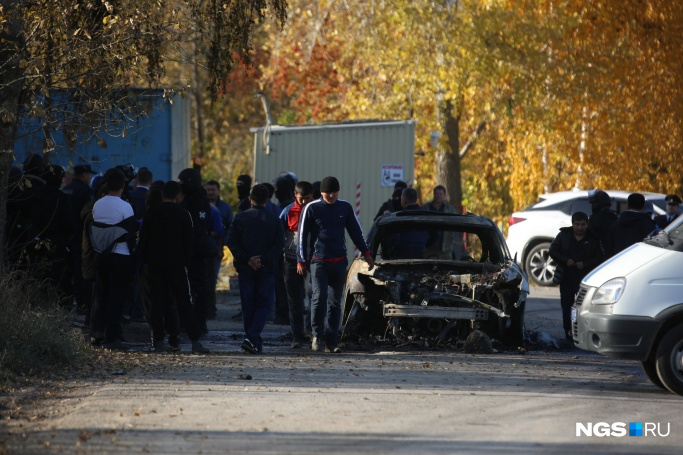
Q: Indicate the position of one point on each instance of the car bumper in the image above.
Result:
(625, 337)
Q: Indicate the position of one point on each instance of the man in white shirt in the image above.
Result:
(114, 231)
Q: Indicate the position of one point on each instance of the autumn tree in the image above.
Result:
(96, 47)
(456, 67)
(525, 96)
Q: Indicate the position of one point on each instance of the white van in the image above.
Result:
(631, 307)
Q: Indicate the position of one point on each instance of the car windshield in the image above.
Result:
(409, 239)
(670, 238)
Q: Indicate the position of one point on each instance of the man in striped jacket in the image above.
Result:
(322, 226)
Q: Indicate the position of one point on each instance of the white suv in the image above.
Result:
(533, 229)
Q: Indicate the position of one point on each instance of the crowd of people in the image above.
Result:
(122, 246)
(589, 241)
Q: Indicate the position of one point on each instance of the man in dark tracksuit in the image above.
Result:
(205, 251)
(256, 240)
(576, 253)
(294, 283)
(322, 225)
(166, 243)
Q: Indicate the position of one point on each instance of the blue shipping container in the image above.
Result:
(157, 134)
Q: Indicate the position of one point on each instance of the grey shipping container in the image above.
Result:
(367, 158)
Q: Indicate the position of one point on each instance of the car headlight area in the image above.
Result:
(610, 292)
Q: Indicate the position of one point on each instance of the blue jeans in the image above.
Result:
(326, 305)
(257, 295)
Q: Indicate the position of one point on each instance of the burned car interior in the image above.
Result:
(438, 277)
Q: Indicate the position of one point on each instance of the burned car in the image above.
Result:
(437, 278)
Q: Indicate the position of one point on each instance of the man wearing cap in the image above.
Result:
(673, 203)
(322, 225)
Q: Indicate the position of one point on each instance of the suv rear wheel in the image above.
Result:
(539, 266)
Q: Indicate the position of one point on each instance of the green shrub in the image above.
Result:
(37, 335)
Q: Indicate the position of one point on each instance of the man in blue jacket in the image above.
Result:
(256, 240)
(322, 225)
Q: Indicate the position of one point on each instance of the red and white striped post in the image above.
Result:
(358, 191)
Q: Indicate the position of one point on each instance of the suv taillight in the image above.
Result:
(514, 220)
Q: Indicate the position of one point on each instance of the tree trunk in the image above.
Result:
(10, 90)
(448, 159)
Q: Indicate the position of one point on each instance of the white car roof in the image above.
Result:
(552, 198)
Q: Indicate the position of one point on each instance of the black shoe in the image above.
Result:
(316, 345)
(237, 317)
(173, 344)
(159, 346)
(96, 341)
(249, 347)
(296, 344)
(198, 348)
(116, 346)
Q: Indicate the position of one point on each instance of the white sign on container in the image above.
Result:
(391, 173)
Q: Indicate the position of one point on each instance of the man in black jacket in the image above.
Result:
(166, 243)
(393, 204)
(632, 226)
(602, 218)
(256, 240)
(205, 250)
(576, 254)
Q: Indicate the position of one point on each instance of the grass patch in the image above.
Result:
(37, 335)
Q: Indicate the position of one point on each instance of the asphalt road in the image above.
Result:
(405, 402)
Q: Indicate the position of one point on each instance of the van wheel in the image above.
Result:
(539, 266)
(650, 369)
(669, 360)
